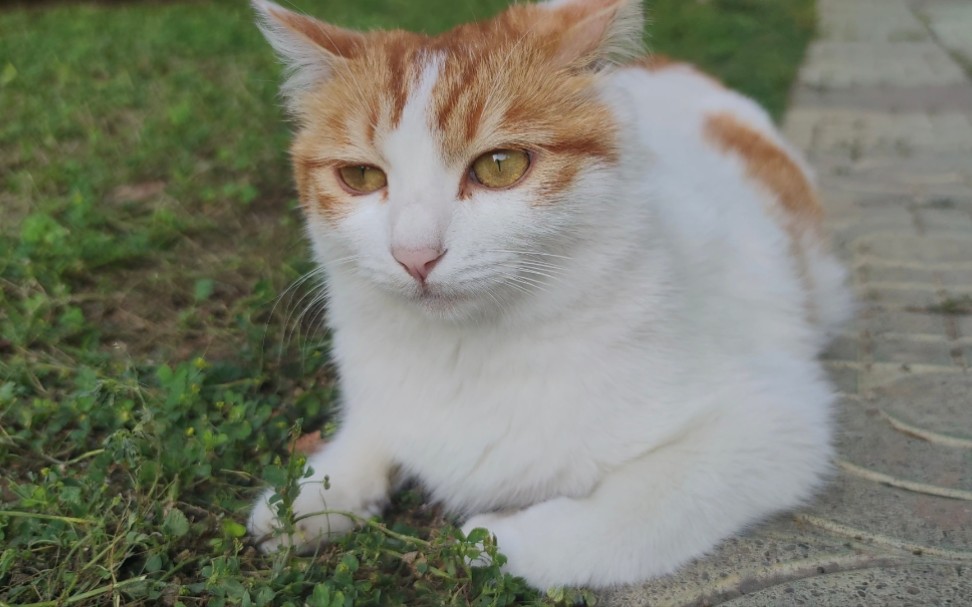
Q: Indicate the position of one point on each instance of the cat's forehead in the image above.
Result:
(466, 57)
(483, 85)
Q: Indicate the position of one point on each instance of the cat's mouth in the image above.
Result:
(437, 299)
(449, 301)
(438, 295)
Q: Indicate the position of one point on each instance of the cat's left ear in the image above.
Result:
(308, 47)
(594, 33)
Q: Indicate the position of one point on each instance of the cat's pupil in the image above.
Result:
(498, 158)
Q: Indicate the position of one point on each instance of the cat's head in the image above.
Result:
(454, 170)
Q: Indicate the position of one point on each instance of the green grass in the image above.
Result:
(148, 384)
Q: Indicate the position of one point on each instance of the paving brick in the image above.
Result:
(868, 440)
(933, 250)
(900, 299)
(951, 21)
(864, 132)
(896, 349)
(913, 323)
(906, 585)
(854, 21)
(937, 402)
(957, 279)
(945, 219)
(845, 379)
(964, 326)
(843, 347)
(924, 278)
(836, 64)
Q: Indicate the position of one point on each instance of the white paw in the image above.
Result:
(527, 555)
(321, 515)
(480, 521)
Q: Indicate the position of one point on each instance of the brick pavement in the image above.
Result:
(883, 109)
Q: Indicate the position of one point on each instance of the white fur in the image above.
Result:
(611, 384)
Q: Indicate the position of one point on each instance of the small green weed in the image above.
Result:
(953, 306)
(150, 378)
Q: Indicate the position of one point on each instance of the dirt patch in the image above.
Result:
(201, 294)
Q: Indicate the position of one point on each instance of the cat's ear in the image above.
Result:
(308, 47)
(594, 33)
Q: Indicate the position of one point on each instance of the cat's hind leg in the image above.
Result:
(831, 300)
(350, 475)
(675, 503)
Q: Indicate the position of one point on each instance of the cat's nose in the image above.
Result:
(418, 262)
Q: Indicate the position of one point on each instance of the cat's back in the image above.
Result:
(736, 200)
(675, 96)
(685, 120)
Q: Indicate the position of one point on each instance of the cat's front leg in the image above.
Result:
(350, 475)
(653, 514)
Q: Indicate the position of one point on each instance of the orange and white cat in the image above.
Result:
(578, 294)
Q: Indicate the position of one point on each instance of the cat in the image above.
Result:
(577, 292)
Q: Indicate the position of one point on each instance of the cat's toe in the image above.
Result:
(526, 556)
(264, 527)
(309, 531)
(489, 522)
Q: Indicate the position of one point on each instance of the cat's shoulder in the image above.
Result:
(679, 100)
(668, 68)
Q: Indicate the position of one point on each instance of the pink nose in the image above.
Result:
(418, 262)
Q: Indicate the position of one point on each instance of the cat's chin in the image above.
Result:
(448, 306)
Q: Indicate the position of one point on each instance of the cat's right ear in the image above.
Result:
(593, 33)
(308, 47)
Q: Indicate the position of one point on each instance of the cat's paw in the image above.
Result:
(322, 514)
(532, 557)
(509, 541)
(480, 521)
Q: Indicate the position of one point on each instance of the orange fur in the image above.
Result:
(342, 119)
(658, 63)
(798, 208)
(501, 89)
(770, 166)
(309, 443)
(511, 81)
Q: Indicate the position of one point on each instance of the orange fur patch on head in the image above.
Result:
(503, 83)
(342, 120)
(770, 166)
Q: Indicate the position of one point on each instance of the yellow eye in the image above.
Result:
(500, 168)
(362, 179)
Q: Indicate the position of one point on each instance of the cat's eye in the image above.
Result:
(362, 178)
(500, 168)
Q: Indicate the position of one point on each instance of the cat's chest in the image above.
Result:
(484, 424)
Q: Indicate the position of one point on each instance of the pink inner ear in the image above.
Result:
(585, 28)
(581, 40)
